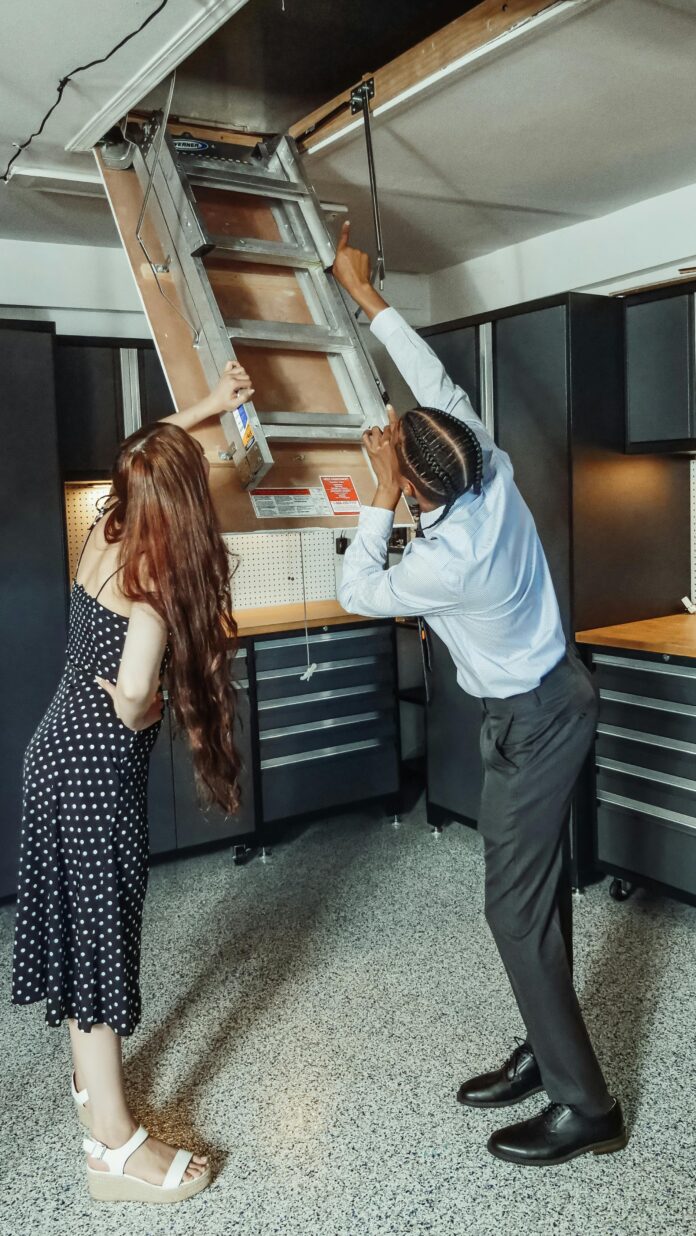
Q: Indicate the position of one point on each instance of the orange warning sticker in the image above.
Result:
(342, 494)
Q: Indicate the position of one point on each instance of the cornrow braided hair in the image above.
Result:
(441, 456)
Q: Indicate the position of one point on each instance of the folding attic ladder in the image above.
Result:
(243, 233)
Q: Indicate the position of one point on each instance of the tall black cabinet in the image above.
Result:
(553, 372)
(33, 597)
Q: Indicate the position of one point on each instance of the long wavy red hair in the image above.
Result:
(174, 559)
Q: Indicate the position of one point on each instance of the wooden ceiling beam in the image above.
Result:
(466, 34)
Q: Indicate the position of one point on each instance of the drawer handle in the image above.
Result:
(683, 823)
(326, 637)
(324, 667)
(644, 701)
(651, 740)
(309, 727)
(648, 667)
(324, 753)
(647, 774)
(317, 697)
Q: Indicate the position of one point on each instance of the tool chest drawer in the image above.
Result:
(648, 786)
(650, 751)
(645, 768)
(328, 676)
(309, 736)
(666, 718)
(657, 844)
(321, 706)
(658, 680)
(324, 646)
(328, 777)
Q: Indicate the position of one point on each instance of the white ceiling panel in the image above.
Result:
(577, 121)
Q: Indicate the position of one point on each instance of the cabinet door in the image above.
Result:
(195, 824)
(90, 407)
(531, 412)
(155, 397)
(458, 351)
(32, 564)
(160, 807)
(453, 720)
(659, 370)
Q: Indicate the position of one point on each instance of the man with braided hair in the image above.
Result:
(478, 574)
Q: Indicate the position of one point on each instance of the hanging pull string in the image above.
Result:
(311, 665)
(81, 68)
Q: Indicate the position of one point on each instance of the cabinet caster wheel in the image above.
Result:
(242, 854)
(620, 890)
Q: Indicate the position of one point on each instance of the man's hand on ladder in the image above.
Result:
(351, 269)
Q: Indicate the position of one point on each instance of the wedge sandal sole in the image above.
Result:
(106, 1187)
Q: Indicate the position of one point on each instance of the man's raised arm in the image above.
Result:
(418, 365)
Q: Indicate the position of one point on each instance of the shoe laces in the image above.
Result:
(521, 1049)
(548, 1113)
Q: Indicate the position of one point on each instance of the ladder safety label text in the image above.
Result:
(290, 503)
(342, 494)
(241, 416)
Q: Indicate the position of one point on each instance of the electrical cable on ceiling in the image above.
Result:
(69, 76)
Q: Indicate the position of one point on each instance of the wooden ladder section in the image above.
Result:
(232, 261)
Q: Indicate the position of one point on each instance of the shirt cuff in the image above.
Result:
(377, 520)
(386, 323)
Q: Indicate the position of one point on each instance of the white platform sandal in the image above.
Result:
(114, 1185)
(80, 1099)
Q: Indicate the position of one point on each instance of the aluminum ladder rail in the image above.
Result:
(276, 176)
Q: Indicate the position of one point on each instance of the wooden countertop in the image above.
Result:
(278, 618)
(674, 635)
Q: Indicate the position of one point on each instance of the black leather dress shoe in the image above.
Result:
(516, 1080)
(557, 1134)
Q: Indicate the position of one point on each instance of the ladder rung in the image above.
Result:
(302, 337)
(312, 433)
(268, 252)
(247, 182)
(329, 420)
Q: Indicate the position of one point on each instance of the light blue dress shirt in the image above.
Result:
(480, 578)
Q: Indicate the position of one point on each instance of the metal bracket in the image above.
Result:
(360, 102)
(366, 90)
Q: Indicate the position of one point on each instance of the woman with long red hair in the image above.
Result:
(151, 594)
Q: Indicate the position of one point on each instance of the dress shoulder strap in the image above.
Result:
(111, 576)
(84, 546)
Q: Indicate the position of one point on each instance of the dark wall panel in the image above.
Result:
(457, 349)
(32, 564)
(90, 406)
(531, 393)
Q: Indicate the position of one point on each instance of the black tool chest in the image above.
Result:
(645, 768)
(330, 739)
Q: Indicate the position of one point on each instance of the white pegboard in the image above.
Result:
(81, 510)
(269, 567)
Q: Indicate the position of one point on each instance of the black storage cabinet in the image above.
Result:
(559, 411)
(33, 600)
(660, 394)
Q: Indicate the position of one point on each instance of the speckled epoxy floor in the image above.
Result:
(308, 1021)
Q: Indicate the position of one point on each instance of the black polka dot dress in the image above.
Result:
(84, 849)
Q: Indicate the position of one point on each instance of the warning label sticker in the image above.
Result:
(241, 416)
(290, 503)
(342, 494)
